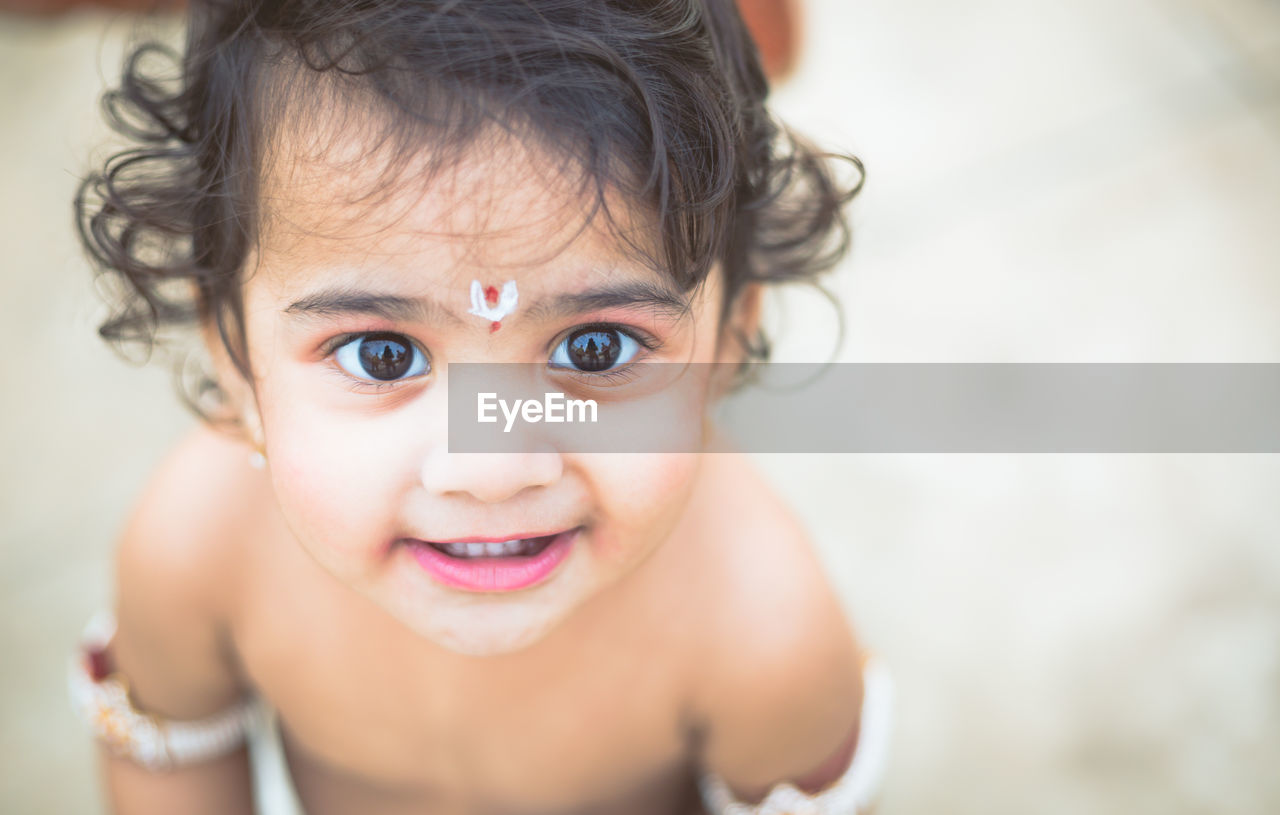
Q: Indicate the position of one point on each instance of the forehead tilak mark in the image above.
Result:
(488, 303)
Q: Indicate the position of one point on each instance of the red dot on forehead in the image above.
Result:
(491, 295)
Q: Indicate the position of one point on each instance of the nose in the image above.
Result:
(489, 477)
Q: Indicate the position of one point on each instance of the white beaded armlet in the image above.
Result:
(101, 699)
(854, 791)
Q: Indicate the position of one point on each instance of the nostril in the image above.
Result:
(489, 477)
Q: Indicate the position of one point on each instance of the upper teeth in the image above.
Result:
(493, 549)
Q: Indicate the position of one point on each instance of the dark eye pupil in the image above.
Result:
(594, 349)
(385, 356)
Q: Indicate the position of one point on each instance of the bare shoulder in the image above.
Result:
(781, 689)
(183, 537)
(177, 575)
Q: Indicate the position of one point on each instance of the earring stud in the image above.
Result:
(258, 457)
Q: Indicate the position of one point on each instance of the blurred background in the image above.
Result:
(1087, 181)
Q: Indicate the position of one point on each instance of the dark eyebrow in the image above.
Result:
(340, 301)
(625, 295)
(333, 302)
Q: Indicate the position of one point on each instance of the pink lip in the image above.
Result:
(519, 536)
(493, 574)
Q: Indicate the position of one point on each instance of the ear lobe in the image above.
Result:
(239, 405)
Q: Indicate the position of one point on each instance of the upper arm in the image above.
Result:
(175, 587)
(781, 701)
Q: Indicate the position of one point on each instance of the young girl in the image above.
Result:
(347, 197)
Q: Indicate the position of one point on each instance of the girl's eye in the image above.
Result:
(595, 349)
(381, 357)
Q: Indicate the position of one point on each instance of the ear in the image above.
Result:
(240, 405)
(740, 324)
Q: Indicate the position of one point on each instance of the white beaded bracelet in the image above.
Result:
(101, 699)
(854, 791)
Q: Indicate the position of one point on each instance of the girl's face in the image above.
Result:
(353, 312)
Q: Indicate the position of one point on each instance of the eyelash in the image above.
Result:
(613, 377)
(357, 385)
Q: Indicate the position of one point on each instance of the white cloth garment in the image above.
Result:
(273, 786)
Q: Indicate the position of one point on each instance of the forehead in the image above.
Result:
(334, 197)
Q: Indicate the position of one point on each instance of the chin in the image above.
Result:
(477, 627)
(481, 646)
(476, 639)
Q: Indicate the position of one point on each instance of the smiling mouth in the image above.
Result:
(494, 565)
(470, 550)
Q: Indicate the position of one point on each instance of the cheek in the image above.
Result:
(338, 483)
(639, 497)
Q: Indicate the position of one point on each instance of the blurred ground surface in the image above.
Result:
(1091, 181)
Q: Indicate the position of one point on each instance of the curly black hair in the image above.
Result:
(663, 100)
